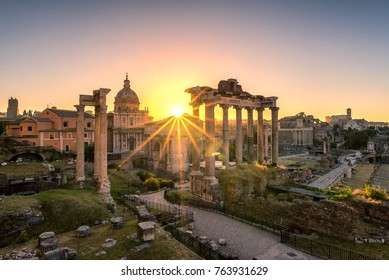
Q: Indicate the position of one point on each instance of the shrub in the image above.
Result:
(112, 166)
(151, 184)
(144, 175)
(342, 193)
(178, 197)
(23, 237)
(164, 183)
(375, 192)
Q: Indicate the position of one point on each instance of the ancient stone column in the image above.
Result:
(80, 173)
(105, 185)
(266, 145)
(274, 134)
(348, 171)
(250, 135)
(97, 148)
(260, 147)
(197, 137)
(226, 137)
(209, 140)
(324, 146)
(239, 135)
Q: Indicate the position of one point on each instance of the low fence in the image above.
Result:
(184, 214)
(321, 249)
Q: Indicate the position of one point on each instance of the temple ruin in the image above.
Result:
(229, 94)
(98, 100)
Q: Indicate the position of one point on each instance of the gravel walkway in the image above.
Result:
(243, 240)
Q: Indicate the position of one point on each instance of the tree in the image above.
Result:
(356, 139)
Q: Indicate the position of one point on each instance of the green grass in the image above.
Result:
(11, 204)
(68, 209)
(360, 178)
(126, 183)
(26, 170)
(162, 248)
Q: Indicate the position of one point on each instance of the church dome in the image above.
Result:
(126, 99)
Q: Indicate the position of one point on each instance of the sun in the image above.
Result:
(177, 111)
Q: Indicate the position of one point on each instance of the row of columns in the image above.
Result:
(210, 136)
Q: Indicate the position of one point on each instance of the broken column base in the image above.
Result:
(80, 183)
(105, 192)
(207, 188)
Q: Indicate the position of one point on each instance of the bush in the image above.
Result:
(112, 166)
(342, 193)
(23, 237)
(375, 192)
(178, 197)
(151, 184)
(164, 183)
(144, 175)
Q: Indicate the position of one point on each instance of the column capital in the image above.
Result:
(80, 107)
(260, 109)
(249, 108)
(237, 107)
(101, 92)
(195, 102)
(225, 106)
(274, 108)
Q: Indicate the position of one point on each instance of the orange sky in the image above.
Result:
(318, 58)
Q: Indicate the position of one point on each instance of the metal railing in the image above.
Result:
(321, 249)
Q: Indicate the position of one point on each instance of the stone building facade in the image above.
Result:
(126, 123)
(297, 130)
(53, 127)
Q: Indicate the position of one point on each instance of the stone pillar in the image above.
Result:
(239, 136)
(266, 141)
(198, 140)
(96, 164)
(324, 146)
(209, 140)
(80, 173)
(226, 138)
(274, 134)
(260, 147)
(348, 171)
(250, 136)
(105, 185)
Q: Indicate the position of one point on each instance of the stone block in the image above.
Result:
(117, 222)
(83, 231)
(45, 236)
(146, 231)
(48, 245)
(63, 253)
(222, 241)
(143, 213)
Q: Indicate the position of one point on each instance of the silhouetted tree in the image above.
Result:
(356, 139)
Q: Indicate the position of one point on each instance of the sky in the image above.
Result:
(318, 57)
